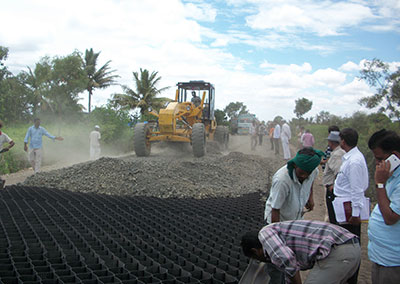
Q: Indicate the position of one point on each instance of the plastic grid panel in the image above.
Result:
(53, 236)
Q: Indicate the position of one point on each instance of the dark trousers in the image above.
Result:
(355, 229)
(276, 276)
(272, 143)
(385, 274)
(260, 139)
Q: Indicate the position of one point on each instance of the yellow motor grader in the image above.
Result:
(185, 120)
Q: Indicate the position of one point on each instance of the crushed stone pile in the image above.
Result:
(232, 175)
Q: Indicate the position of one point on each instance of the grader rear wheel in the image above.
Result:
(222, 137)
(198, 140)
(141, 141)
(219, 135)
(226, 138)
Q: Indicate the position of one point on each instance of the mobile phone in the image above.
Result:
(394, 162)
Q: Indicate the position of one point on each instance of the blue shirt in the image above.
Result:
(35, 134)
(384, 240)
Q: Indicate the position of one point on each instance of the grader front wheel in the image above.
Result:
(141, 141)
(198, 140)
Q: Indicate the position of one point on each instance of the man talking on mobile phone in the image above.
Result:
(384, 224)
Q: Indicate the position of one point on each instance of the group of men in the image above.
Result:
(331, 250)
(257, 132)
(280, 135)
(33, 144)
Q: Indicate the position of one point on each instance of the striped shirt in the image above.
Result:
(296, 245)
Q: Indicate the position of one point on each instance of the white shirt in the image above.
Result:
(287, 195)
(352, 179)
(95, 136)
(286, 132)
(252, 130)
(277, 131)
(4, 139)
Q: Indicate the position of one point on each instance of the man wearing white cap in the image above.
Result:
(332, 167)
(95, 137)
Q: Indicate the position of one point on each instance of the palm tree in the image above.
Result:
(145, 94)
(98, 79)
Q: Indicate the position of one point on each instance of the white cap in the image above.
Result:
(96, 126)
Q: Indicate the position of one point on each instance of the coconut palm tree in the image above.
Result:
(144, 95)
(98, 79)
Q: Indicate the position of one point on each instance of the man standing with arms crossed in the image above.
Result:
(332, 167)
(35, 133)
(351, 182)
(384, 223)
(3, 140)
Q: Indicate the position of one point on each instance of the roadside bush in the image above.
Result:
(114, 127)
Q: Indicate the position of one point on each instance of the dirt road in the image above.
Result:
(239, 144)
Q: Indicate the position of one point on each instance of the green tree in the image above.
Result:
(113, 122)
(3, 57)
(323, 117)
(278, 119)
(220, 117)
(235, 109)
(14, 98)
(144, 95)
(38, 83)
(303, 106)
(376, 73)
(97, 78)
(55, 84)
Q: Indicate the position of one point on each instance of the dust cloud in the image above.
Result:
(75, 146)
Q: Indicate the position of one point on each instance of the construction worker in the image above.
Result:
(35, 134)
(331, 253)
(94, 138)
(3, 140)
(195, 99)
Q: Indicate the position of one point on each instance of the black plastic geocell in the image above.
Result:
(52, 236)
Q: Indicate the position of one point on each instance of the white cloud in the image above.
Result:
(350, 66)
(328, 77)
(305, 67)
(388, 8)
(352, 92)
(322, 18)
(201, 12)
(165, 36)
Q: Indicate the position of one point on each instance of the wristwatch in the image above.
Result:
(380, 185)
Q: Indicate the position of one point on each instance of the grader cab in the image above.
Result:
(187, 119)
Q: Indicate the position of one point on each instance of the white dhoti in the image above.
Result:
(94, 153)
(286, 148)
(35, 158)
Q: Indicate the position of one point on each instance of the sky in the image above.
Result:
(264, 53)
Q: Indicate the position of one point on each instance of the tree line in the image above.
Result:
(53, 85)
